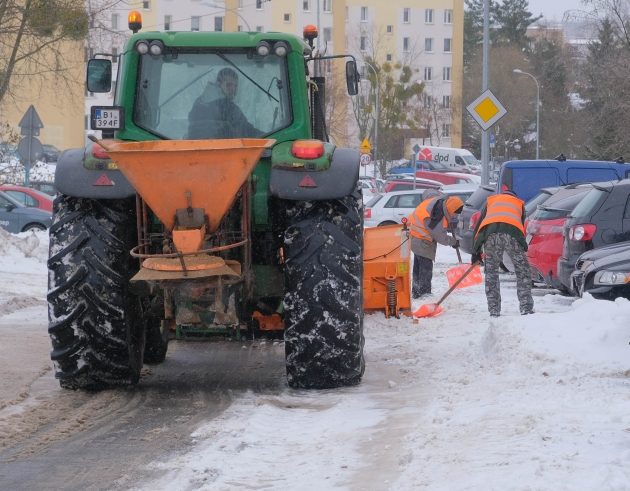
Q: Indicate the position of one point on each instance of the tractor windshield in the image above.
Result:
(212, 95)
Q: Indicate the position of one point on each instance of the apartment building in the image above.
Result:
(424, 34)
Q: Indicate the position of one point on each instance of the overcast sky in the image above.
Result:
(554, 9)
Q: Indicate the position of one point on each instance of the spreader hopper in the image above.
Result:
(179, 174)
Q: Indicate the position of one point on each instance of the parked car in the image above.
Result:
(408, 183)
(601, 218)
(47, 187)
(527, 177)
(50, 153)
(369, 188)
(603, 272)
(15, 217)
(391, 208)
(448, 177)
(467, 220)
(29, 196)
(544, 233)
(539, 199)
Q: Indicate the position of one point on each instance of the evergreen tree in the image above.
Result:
(512, 19)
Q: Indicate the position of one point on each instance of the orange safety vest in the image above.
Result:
(504, 208)
(417, 227)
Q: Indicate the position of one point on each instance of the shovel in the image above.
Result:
(433, 309)
(455, 273)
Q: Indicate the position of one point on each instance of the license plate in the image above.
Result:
(106, 118)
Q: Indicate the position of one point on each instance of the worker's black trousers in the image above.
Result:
(422, 276)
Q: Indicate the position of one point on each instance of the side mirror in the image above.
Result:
(352, 77)
(99, 75)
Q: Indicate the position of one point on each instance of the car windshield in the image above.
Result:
(532, 204)
(588, 203)
(174, 89)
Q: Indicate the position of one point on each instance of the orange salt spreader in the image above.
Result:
(190, 185)
(386, 283)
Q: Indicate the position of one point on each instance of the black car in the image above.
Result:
(465, 227)
(50, 153)
(604, 272)
(601, 218)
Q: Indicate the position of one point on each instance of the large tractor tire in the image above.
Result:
(95, 322)
(323, 250)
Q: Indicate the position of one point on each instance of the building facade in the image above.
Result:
(427, 35)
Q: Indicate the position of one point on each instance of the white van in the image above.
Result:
(451, 157)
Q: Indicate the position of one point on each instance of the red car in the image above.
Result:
(29, 197)
(544, 233)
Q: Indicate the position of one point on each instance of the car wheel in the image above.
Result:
(34, 226)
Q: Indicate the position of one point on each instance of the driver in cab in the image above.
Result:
(220, 118)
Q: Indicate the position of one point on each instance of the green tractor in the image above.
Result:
(213, 204)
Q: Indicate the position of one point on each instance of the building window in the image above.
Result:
(446, 73)
(114, 55)
(194, 23)
(447, 45)
(406, 16)
(388, 57)
(446, 101)
(146, 4)
(167, 22)
(327, 5)
(448, 16)
(428, 45)
(390, 28)
(428, 16)
(327, 34)
(306, 5)
(363, 43)
(259, 28)
(218, 24)
(115, 22)
(287, 18)
(427, 101)
(446, 130)
(239, 28)
(259, 4)
(406, 45)
(364, 14)
(428, 73)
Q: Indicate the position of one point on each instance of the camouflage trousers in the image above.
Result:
(494, 247)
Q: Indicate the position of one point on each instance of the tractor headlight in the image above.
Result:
(281, 48)
(142, 47)
(263, 48)
(612, 278)
(156, 48)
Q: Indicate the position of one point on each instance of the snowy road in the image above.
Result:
(455, 402)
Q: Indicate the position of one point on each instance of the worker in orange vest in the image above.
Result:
(500, 229)
(429, 224)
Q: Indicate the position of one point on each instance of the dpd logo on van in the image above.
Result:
(425, 154)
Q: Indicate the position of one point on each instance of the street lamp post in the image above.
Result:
(521, 72)
(376, 111)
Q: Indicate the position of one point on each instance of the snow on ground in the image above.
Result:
(455, 402)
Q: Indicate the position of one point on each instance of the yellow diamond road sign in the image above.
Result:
(486, 110)
(365, 146)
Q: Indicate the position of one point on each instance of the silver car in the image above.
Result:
(16, 217)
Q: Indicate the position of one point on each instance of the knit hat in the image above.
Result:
(454, 205)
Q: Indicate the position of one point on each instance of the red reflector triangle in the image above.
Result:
(103, 181)
(307, 182)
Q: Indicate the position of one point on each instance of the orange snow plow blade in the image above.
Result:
(180, 174)
(434, 309)
(456, 272)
